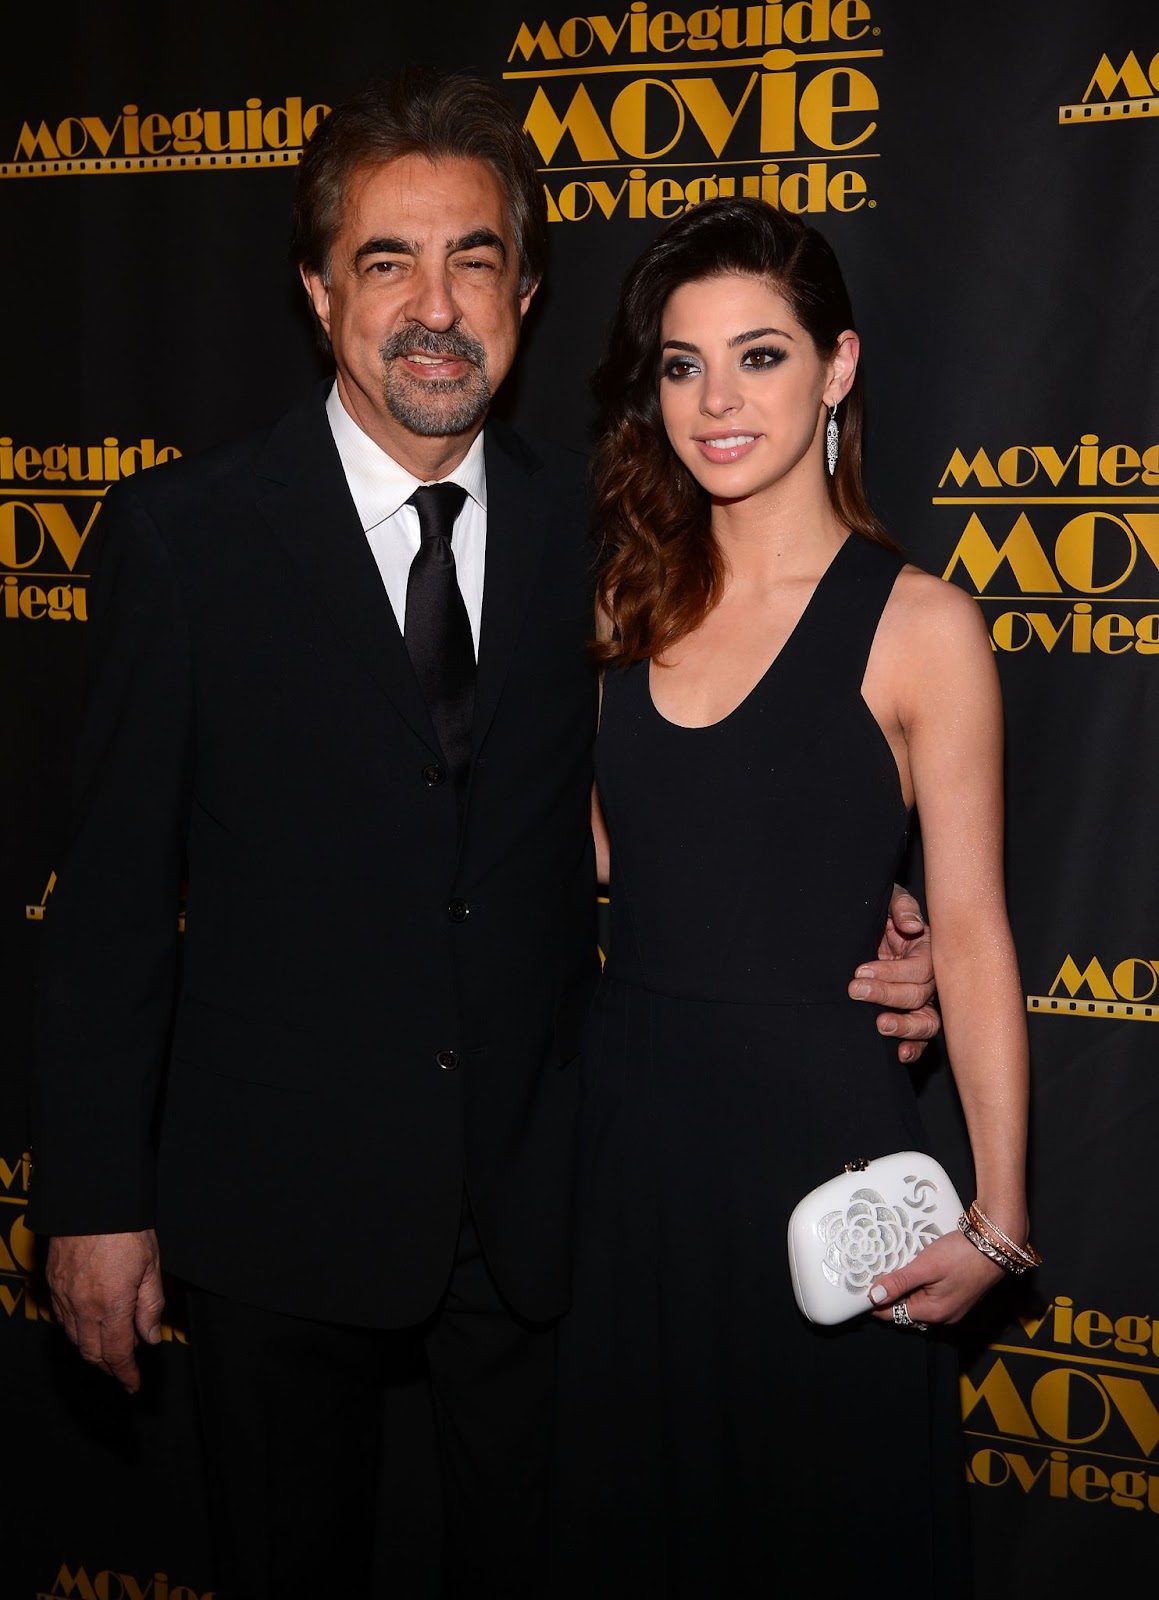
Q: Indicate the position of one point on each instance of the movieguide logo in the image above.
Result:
(17, 1245)
(1125, 991)
(1059, 543)
(1115, 93)
(50, 496)
(76, 1583)
(135, 140)
(643, 112)
(19, 1287)
(1066, 1409)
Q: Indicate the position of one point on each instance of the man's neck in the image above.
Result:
(427, 458)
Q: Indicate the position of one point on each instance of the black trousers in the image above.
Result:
(302, 1456)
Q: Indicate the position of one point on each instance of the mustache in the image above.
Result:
(414, 338)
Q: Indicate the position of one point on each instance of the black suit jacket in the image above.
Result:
(375, 1006)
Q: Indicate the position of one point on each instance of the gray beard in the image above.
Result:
(435, 407)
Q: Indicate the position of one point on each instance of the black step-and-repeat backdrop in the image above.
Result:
(986, 173)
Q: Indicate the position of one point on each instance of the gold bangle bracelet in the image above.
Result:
(1026, 1253)
(980, 1242)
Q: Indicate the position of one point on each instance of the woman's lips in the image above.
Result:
(725, 447)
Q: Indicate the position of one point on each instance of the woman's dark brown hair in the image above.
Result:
(660, 569)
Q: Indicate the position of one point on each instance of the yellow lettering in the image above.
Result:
(709, 111)
(962, 470)
(580, 120)
(101, 136)
(527, 43)
(65, 535)
(41, 143)
(1131, 75)
(836, 92)
(1052, 1404)
(981, 558)
(1109, 629)
(1052, 462)
(1092, 978)
(1136, 1408)
(666, 25)
(846, 15)
(155, 134)
(1089, 1323)
(629, 117)
(1116, 460)
(1074, 550)
(1004, 1403)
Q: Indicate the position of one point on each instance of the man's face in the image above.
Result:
(422, 307)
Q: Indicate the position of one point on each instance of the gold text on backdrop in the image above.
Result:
(1067, 1408)
(1126, 990)
(253, 135)
(50, 497)
(1084, 537)
(1115, 93)
(644, 114)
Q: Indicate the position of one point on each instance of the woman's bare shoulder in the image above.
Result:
(924, 608)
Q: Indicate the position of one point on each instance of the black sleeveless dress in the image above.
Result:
(711, 1442)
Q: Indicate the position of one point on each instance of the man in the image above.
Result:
(389, 940)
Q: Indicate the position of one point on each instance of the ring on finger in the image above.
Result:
(902, 1318)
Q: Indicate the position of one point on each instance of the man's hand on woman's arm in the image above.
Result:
(902, 978)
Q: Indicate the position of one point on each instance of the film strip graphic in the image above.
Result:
(1109, 111)
(1064, 1006)
(66, 166)
(35, 912)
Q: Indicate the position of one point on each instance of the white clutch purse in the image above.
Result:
(872, 1218)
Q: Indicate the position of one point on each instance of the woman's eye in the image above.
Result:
(762, 356)
(679, 367)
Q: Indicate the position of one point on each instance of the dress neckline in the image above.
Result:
(705, 727)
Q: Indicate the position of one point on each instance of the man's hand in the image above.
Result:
(902, 978)
(106, 1292)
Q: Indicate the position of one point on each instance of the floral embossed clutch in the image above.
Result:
(872, 1218)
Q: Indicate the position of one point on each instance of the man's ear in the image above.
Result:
(526, 298)
(319, 296)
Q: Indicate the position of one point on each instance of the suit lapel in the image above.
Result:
(302, 494)
(515, 530)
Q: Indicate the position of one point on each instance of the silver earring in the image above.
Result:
(831, 440)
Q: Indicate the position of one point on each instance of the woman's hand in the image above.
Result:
(941, 1284)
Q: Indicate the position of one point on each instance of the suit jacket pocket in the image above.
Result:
(278, 1051)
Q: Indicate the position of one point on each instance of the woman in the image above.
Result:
(781, 691)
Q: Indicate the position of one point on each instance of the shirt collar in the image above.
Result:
(378, 485)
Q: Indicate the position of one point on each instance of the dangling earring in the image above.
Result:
(831, 440)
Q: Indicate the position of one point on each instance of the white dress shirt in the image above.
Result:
(380, 489)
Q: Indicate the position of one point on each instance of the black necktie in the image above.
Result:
(436, 628)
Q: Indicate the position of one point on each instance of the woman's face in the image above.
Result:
(743, 391)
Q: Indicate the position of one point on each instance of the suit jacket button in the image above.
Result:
(458, 911)
(447, 1059)
(433, 773)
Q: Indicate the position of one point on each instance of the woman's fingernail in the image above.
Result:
(877, 1293)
